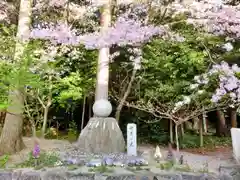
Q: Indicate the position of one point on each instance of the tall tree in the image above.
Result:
(11, 137)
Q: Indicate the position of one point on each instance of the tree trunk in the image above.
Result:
(195, 124)
(123, 99)
(182, 129)
(221, 123)
(47, 106)
(11, 136)
(188, 125)
(233, 117)
(45, 119)
(171, 130)
(201, 132)
(34, 132)
(176, 137)
(204, 122)
(83, 111)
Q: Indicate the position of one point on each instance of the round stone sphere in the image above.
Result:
(102, 108)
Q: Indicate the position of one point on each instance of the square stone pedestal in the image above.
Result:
(235, 133)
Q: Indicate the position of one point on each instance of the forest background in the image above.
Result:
(166, 97)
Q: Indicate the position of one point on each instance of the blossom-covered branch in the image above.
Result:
(5, 10)
(213, 16)
(228, 83)
(123, 32)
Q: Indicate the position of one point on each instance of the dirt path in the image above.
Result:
(198, 161)
(45, 145)
(194, 160)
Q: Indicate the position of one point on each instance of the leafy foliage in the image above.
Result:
(3, 161)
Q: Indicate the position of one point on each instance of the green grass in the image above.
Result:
(3, 161)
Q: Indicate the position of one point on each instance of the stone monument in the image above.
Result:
(102, 133)
(102, 108)
(132, 139)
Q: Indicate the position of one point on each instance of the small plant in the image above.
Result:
(44, 160)
(205, 168)
(38, 159)
(137, 168)
(3, 161)
(101, 169)
(183, 168)
(166, 165)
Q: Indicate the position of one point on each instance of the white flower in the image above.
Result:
(58, 163)
(200, 92)
(197, 79)
(179, 104)
(186, 99)
(193, 86)
(231, 106)
(228, 47)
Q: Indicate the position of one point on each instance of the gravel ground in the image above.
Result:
(195, 161)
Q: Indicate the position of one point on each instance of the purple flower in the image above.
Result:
(232, 96)
(36, 150)
(215, 98)
(232, 83)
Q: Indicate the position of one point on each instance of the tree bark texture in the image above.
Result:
(11, 136)
(201, 132)
(233, 116)
(45, 119)
(176, 137)
(205, 128)
(127, 92)
(83, 111)
(171, 130)
(221, 124)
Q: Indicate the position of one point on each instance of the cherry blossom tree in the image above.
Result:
(131, 31)
(119, 35)
(216, 18)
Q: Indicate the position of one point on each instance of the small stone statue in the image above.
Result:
(170, 154)
(158, 154)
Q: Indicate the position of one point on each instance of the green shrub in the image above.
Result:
(3, 161)
(209, 141)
